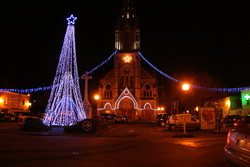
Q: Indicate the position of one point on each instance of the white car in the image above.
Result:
(237, 148)
(177, 121)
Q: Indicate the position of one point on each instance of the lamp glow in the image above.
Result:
(96, 97)
(28, 104)
(185, 86)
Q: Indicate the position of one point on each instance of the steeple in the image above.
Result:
(127, 31)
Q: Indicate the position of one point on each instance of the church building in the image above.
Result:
(128, 89)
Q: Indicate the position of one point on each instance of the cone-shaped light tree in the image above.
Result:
(65, 107)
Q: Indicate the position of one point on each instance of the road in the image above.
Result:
(123, 145)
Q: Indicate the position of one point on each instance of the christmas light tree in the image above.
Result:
(65, 107)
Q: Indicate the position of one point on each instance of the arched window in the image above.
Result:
(147, 91)
(108, 91)
(126, 78)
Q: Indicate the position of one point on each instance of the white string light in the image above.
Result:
(65, 106)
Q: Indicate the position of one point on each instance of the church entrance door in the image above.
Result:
(127, 108)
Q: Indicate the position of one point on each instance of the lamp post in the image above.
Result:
(185, 88)
(96, 97)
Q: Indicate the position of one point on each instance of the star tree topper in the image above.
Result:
(71, 19)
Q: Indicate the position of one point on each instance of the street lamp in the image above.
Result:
(96, 97)
(185, 88)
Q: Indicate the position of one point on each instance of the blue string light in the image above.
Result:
(31, 90)
(169, 77)
(105, 61)
(230, 90)
(240, 89)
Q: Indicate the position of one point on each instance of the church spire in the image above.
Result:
(127, 31)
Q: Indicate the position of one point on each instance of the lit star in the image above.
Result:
(71, 19)
(127, 59)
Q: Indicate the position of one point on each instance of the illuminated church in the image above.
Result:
(128, 89)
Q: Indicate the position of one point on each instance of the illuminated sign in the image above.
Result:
(246, 96)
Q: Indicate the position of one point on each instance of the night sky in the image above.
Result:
(181, 39)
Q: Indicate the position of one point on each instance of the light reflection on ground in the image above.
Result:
(189, 143)
(198, 142)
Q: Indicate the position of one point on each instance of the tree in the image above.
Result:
(65, 105)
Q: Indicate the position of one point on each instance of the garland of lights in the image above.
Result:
(50, 87)
(71, 21)
(65, 107)
(240, 89)
(231, 90)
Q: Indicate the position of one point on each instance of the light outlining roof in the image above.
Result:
(126, 94)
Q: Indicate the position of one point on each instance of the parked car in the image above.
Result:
(177, 121)
(237, 148)
(161, 119)
(120, 119)
(229, 120)
(112, 117)
(243, 122)
(23, 117)
(7, 117)
(106, 116)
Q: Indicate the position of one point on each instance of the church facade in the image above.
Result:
(128, 89)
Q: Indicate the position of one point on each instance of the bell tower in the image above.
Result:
(128, 89)
(127, 31)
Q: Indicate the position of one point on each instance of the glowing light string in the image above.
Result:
(196, 86)
(65, 107)
(169, 77)
(239, 89)
(50, 87)
(105, 61)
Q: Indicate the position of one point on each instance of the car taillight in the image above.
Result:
(228, 137)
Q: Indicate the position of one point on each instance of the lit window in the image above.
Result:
(127, 15)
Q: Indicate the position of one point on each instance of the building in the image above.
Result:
(11, 102)
(128, 89)
(230, 105)
(238, 104)
(245, 102)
